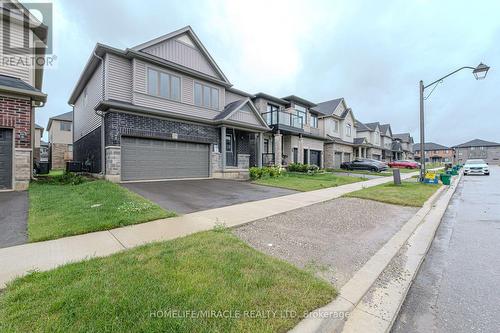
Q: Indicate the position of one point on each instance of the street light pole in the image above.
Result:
(479, 73)
(422, 132)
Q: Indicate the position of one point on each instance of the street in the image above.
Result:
(458, 286)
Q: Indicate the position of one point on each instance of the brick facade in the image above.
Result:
(16, 113)
(118, 124)
(87, 150)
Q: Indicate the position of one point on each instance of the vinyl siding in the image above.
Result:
(185, 106)
(17, 39)
(85, 119)
(182, 54)
(232, 97)
(118, 78)
(245, 115)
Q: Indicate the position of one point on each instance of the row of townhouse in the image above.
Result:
(474, 149)
(164, 109)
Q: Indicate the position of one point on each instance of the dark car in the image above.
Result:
(365, 164)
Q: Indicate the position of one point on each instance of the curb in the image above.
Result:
(333, 316)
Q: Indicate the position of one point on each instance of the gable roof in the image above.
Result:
(430, 146)
(360, 127)
(235, 106)
(68, 116)
(189, 31)
(38, 126)
(271, 98)
(328, 107)
(373, 126)
(477, 143)
(405, 137)
(384, 128)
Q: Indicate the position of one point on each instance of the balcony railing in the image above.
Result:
(283, 118)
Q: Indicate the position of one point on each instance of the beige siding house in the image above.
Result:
(60, 129)
(20, 93)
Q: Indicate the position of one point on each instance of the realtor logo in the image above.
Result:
(26, 33)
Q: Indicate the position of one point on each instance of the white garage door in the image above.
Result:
(144, 159)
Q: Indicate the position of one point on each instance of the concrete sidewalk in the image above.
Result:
(19, 260)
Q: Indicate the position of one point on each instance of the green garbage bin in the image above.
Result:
(445, 179)
(454, 172)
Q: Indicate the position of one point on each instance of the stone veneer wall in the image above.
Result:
(16, 113)
(57, 151)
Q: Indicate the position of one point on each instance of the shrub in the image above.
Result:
(269, 171)
(312, 169)
(67, 178)
(299, 167)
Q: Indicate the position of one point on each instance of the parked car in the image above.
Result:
(476, 167)
(404, 164)
(364, 164)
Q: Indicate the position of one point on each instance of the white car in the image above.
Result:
(476, 167)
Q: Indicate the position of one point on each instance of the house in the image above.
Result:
(386, 142)
(40, 147)
(295, 134)
(477, 148)
(60, 129)
(434, 152)
(337, 122)
(163, 110)
(402, 146)
(20, 93)
(370, 132)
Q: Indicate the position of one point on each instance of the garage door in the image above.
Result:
(144, 159)
(5, 158)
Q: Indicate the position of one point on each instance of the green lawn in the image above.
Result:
(407, 194)
(150, 288)
(305, 182)
(64, 210)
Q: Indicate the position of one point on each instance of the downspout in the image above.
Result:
(103, 140)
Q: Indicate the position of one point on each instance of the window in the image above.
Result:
(271, 114)
(65, 126)
(335, 125)
(216, 148)
(164, 85)
(206, 96)
(301, 112)
(266, 146)
(314, 121)
(348, 128)
(229, 143)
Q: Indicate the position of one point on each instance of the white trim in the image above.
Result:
(195, 81)
(158, 83)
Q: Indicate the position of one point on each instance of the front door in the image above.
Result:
(230, 150)
(5, 158)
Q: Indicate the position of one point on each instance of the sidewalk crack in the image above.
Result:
(112, 235)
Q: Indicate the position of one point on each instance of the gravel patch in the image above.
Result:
(332, 239)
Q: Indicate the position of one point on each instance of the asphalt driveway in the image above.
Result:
(187, 196)
(13, 218)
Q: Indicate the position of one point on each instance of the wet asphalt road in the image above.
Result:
(458, 286)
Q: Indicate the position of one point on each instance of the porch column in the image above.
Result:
(277, 149)
(223, 146)
(300, 150)
(260, 149)
(359, 151)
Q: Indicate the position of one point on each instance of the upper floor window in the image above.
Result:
(164, 84)
(335, 125)
(348, 129)
(65, 126)
(314, 120)
(271, 114)
(206, 96)
(301, 112)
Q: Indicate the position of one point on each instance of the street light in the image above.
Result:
(479, 73)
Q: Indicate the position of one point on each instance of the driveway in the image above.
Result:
(187, 196)
(13, 218)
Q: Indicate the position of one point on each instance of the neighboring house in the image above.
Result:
(296, 135)
(162, 110)
(372, 143)
(477, 148)
(20, 93)
(386, 142)
(402, 146)
(337, 122)
(434, 152)
(60, 129)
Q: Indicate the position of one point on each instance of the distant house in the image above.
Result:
(434, 152)
(402, 146)
(60, 129)
(41, 151)
(477, 148)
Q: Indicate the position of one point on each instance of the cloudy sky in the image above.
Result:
(371, 53)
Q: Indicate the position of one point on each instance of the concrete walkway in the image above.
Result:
(19, 260)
